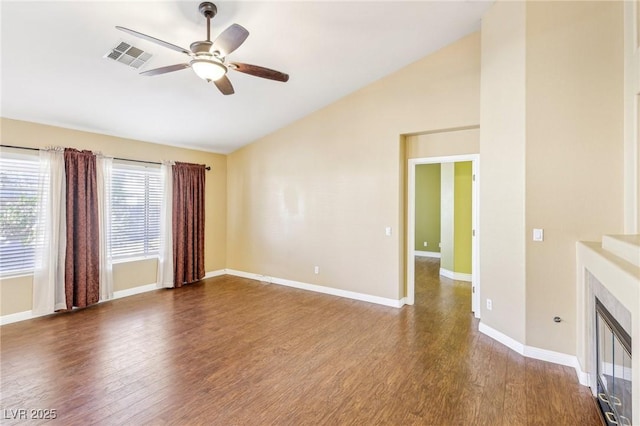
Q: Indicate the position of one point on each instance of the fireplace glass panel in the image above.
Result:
(605, 354)
(614, 368)
(623, 383)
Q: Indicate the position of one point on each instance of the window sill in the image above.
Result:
(15, 275)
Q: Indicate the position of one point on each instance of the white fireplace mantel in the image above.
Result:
(615, 263)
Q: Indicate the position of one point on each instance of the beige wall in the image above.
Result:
(443, 143)
(574, 152)
(632, 115)
(322, 190)
(502, 178)
(128, 275)
(551, 157)
(16, 293)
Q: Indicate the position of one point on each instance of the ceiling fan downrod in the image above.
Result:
(208, 10)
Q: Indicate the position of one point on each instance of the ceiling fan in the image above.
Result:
(208, 58)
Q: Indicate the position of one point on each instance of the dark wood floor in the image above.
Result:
(230, 351)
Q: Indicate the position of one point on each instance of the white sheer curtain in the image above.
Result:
(48, 277)
(104, 165)
(165, 258)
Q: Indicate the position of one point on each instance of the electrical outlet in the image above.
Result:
(489, 304)
(538, 234)
(316, 269)
(426, 244)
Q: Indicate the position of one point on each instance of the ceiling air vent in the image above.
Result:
(128, 55)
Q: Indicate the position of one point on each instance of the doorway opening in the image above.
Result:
(411, 224)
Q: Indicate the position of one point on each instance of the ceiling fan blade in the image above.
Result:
(260, 71)
(164, 70)
(230, 39)
(155, 40)
(224, 85)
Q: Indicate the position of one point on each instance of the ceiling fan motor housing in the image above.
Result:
(199, 47)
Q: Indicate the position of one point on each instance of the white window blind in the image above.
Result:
(136, 197)
(18, 212)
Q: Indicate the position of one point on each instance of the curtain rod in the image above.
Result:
(115, 158)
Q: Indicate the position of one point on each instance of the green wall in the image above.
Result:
(427, 207)
(462, 228)
(443, 213)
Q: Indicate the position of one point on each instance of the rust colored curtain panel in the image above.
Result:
(82, 263)
(188, 223)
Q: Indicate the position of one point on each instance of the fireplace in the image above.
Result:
(608, 324)
(613, 366)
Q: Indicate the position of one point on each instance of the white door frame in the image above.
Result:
(411, 224)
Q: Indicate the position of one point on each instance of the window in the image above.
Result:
(136, 198)
(18, 212)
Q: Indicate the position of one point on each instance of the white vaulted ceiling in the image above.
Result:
(53, 70)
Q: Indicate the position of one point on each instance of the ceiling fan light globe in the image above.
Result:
(208, 70)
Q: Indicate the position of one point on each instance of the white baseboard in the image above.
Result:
(154, 286)
(502, 338)
(434, 254)
(320, 289)
(536, 353)
(217, 273)
(134, 290)
(458, 276)
(248, 275)
(18, 316)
